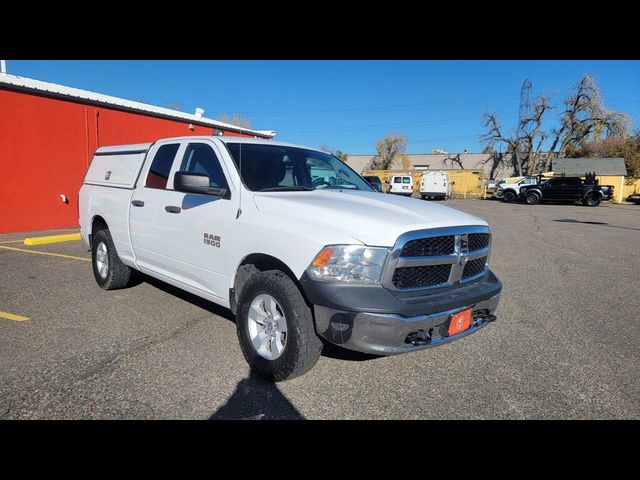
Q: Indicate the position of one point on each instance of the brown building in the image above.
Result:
(438, 161)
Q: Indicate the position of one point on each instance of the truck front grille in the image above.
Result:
(426, 247)
(416, 277)
(435, 258)
(474, 267)
(478, 241)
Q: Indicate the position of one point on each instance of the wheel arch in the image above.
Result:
(258, 262)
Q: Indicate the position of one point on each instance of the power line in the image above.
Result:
(379, 108)
(435, 122)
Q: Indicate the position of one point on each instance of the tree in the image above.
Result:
(524, 145)
(389, 148)
(406, 162)
(235, 119)
(173, 106)
(627, 148)
(336, 153)
(585, 118)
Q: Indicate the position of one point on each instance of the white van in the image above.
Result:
(401, 185)
(436, 185)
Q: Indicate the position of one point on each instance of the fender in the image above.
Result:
(525, 190)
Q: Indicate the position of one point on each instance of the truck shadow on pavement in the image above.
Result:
(257, 399)
(329, 350)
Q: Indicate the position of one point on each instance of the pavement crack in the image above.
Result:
(145, 345)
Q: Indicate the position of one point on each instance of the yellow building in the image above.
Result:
(464, 183)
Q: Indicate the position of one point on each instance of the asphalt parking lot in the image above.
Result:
(565, 345)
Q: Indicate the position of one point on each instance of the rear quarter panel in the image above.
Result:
(112, 204)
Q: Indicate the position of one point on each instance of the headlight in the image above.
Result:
(349, 264)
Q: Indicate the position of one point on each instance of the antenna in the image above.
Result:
(240, 189)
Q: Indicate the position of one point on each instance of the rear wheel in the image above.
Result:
(109, 271)
(509, 196)
(532, 198)
(275, 327)
(591, 200)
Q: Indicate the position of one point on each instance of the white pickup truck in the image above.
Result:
(293, 241)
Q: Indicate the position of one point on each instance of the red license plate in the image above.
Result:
(459, 322)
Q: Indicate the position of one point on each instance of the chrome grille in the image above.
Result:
(478, 241)
(426, 247)
(416, 277)
(474, 267)
(436, 258)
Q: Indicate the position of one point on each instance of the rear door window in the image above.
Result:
(158, 175)
(406, 179)
(397, 180)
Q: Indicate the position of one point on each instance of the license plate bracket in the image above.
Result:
(459, 322)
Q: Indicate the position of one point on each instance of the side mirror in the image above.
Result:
(196, 183)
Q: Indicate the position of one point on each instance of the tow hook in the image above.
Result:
(485, 317)
(420, 337)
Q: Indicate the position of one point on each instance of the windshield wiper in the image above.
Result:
(290, 188)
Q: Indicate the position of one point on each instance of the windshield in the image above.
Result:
(278, 168)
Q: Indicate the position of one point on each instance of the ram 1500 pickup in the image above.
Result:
(294, 242)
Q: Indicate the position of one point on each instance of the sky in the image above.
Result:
(348, 105)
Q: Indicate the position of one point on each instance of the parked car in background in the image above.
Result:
(567, 189)
(401, 185)
(374, 182)
(435, 184)
(509, 191)
(635, 198)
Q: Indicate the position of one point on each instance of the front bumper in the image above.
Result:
(373, 320)
(388, 334)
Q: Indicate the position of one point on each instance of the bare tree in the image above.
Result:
(523, 147)
(235, 119)
(336, 153)
(585, 118)
(391, 147)
(453, 160)
(173, 106)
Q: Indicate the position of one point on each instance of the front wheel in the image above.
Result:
(509, 196)
(532, 198)
(275, 327)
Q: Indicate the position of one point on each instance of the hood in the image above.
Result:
(372, 218)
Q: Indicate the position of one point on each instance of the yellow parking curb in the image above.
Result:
(52, 239)
(11, 316)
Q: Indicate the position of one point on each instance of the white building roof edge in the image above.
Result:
(107, 100)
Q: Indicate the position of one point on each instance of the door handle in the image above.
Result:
(137, 203)
(172, 209)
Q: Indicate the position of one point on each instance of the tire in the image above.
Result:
(424, 197)
(591, 200)
(509, 196)
(116, 274)
(300, 346)
(532, 198)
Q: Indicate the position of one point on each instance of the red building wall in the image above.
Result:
(46, 145)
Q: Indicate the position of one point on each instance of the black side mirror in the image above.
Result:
(196, 183)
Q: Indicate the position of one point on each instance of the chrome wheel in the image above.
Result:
(267, 327)
(102, 260)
